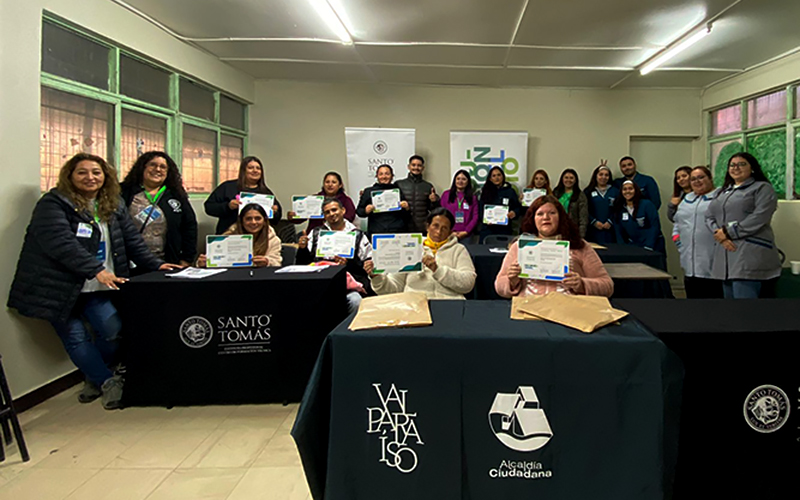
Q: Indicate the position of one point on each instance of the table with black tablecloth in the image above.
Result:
(729, 349)
(235, 337)
(457, 410)
(488, 264)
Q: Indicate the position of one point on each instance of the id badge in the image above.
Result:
(465, 206)
(640, 221)
(625, 217)
(459, 217)
(101, 252)
(84, 230)
(505, 201)
(144, 214)
(595, 194)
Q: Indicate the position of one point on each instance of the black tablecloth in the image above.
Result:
(229, 338)
(611, 400)
(730, 348)
(488, 264)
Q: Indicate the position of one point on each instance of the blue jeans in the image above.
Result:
(92, 356)
(741, 289)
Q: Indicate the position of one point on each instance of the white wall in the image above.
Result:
(32, 355)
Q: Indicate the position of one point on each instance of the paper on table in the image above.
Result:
(195, 273)
(265, 200)
(300, 269)
(495, 215)
(393, 310)
(582, 312)
(543, 259)
(232, 250)
(498, 250)
(387, 200)
(308, 207)
(336, 243)
(529, 195)
(397, 253)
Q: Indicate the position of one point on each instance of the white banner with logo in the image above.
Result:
(369, 148)
(478, 152)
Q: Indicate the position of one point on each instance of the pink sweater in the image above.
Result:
(585, 262)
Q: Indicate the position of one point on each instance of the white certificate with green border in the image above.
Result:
(308, 207)
(397, 253)
(546, 260)
(232, 250)
(529, 195)
(265, 200)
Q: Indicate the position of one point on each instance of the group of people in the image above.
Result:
(90, 233)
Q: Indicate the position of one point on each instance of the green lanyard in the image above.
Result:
(461, 202)
(155, 197)
(96, 218)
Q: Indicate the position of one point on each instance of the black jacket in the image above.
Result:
(181, 240)
(217, 205)
(417, 191)
(384, 222)
(506, 195)
(54, 263)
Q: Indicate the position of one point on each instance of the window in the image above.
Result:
(140, 133)
(797, 102)
(230, 156)
(196, 100)
(199, 151)
(766, 110)
(770, 151)
(72, 56)
(726, 120)
(231, 113)
(70, 125)
(143, 82)
(721, 152)
(797, 166)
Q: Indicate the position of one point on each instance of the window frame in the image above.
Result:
(175, 118)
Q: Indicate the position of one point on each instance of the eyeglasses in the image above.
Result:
(158, 166)
(741, 164)
(699, 178)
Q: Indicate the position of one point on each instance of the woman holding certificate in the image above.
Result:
(160, 209)
(384, 205)
(332, 187)
(447, 269)
(76, 251)
(636, 219)
(547, 220)
(461, 201)
(499, 204)
(266, 244)
(225, 201)
(601, 195)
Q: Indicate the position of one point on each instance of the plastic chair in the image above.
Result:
(498, 239)
(9, 414)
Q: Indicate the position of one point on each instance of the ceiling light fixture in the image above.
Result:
(331, 18)
(675, 50)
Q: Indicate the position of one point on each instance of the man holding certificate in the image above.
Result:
(384, 205)
(544, 264)
(339, 241)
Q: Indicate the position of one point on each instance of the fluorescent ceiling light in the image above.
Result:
(331, 18)
(675, 50)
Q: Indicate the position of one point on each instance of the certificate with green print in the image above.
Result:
(397, 253)
(543, 259)
(307, 207)
(232, 250)
(529, 195)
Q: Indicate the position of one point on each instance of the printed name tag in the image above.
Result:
(595, 193)
(465, 206)
(84, 230)
(640, 221)
(101, 252)
(625, 217)
(505, 201)
(459, 217)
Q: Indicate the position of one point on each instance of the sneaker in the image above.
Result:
(89, 393)
(112, 393)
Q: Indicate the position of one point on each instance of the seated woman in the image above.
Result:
(447, 270)
(636, 219)
(266, 244)
(548, 220)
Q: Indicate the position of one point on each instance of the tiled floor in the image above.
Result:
(210, 453)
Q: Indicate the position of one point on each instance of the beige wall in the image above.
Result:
(32, 355)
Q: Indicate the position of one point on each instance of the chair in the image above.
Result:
(288, 253)
(498, 239)
(8, 413)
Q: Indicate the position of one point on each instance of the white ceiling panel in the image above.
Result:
(307, 51)
(437, 75)
(304, 71)
(613, 23)
(434, 54)
(524, 56)
(673, 79)
(559, 78)
(473, 21)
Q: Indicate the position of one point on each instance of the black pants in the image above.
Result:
(702, 288)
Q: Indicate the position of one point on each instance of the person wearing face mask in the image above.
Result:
(266, 244)
(601, 194)
(461, 201)
(569, 194)
(332, 187)
(681, 186)
(740, 217)
(695, 242)
(647, 185)
(636, 219)
(160, 209)
(421, 194)
(76, 252)
(335, 220)
(224, 203)
(496, 191)
(548, 220)
(447, 269)
(396, 221)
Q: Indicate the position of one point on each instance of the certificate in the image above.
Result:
(308, 207)
(529, 195)
(265, 200)
(336, 243)
(232, 250)
(495, 215)
(397, 253)
(387, 200)
(543, 259)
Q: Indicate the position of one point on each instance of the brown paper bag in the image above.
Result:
(584, 313)
(517, 313)
(393, 310)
